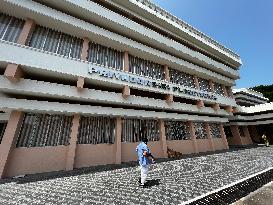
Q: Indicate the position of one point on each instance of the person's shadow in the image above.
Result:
(152, 182)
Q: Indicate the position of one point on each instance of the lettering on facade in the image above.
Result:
(147, 82)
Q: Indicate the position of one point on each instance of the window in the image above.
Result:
(215, 130)
(133, 130)
(200, 130)
(181, 78)
(56, 42)
(105, 56)
(176, 130)
(219, 89)
(10, 28)
(2, 130)
(146, 68)
(38, 130)
(204, 85)
(96, 130)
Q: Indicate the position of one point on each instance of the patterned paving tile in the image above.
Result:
(171, 182)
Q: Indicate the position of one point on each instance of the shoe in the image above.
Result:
(142, 185)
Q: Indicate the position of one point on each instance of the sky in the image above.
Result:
(244, 26)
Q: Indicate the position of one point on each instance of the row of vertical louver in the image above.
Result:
(2, 130)
(38, 130)
(10, 28)
(57, 42)
(146, 68)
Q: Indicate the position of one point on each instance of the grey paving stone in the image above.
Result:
(171, 182)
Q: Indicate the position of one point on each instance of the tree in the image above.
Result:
(266, 90)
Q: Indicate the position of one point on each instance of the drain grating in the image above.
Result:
(236, 191)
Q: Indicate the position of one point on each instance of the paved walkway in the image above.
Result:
(171, 182)
(263, 196)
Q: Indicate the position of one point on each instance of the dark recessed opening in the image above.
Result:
(147, 94)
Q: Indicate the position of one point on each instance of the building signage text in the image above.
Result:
(147, 82)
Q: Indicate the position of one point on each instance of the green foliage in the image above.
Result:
(266, 90)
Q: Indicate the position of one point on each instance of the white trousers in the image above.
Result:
(144, 172)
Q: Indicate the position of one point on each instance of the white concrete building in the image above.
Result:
(83, 77)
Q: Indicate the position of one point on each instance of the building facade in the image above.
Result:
(88, 77)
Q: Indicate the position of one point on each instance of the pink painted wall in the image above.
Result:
(203, 145)
(36, 160)
(218, 144)
(128, 150)
(246, 140)
(183, 146)
(89, 155)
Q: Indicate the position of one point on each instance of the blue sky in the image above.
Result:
(244, 26)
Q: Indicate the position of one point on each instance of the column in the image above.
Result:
(236, 139)
(80, 83)
(118, 140)
(229, 91)
(211, 86)
(125, 91)
(13, 72)
(215, 106)
(163, 141)
(229, 109)
(208, 131)
(126, 88)
(9, 139)
(199, 103)
(196, 82)
(26, 31)
(247, 134)
(71, 150)
(193, 136)
(85, 47)
(224, 90)
(169, 97)
(126, 61)
(223, 135)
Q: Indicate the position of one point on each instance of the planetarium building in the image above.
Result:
(81, 82)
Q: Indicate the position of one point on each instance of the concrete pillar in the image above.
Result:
(26, 31)
(13, 72)
(247, 135)
(211, 86)
(208, 131)
(118, 140)
(229, 109)
(196, 82)
(193, 136)
(71, 150)
(229, 91)
(216, 106)
(169, 97)
(85, 47)
(126, 61)
(9, 139)
(223, 135)
(126, 91)
(236, 138)
(224, 90)
(80, 83)
(200, 104)
(167, 73)
(163, 141)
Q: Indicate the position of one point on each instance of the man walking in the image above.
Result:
(144, 154)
